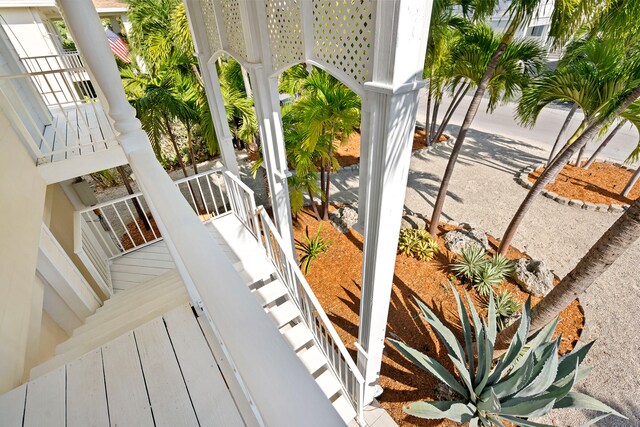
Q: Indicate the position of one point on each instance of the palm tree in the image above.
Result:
(238, 106)
(330, 111)
(567, 15)
(605, 83)
(613, 243)
(468, 59)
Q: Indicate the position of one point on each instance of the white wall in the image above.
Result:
(22, 194)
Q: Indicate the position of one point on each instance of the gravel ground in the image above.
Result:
(483, 193)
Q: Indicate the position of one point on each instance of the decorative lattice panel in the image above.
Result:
(285, 32)
(343, 34)
(211, 25)
(233, 27)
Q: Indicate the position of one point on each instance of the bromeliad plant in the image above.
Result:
(311, 248)
(418, 244)
(528, 381)
(506, 308)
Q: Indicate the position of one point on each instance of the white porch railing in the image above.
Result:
(313, 314)
(114, 228)
(59, 114)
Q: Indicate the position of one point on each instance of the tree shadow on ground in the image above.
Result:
(504, 154)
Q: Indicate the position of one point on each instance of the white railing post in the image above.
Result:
(392, 97)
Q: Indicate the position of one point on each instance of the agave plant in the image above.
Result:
(488, 277)
(528, 381)
(473, 261)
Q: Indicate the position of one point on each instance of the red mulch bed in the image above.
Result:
(134, 228)
(335, 279)
(601, 183)
(348, 153)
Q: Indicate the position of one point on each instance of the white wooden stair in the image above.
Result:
(120, 314)
(258, 272)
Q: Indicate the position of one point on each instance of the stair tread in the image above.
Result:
(313, 359)
(328, 383)
(284, 313)
(271, 292)
(96, 336)
(143, 287)
(344, 408)
(298, 336)
(96, 321)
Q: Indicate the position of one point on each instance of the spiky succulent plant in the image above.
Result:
(472, 262)
(528, 381)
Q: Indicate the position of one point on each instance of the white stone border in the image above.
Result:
(523, 179)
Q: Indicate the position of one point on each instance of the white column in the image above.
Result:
(365, 142)
(212, 86)
(219, 115)
(267, 104)
(392, 97)
(270, 370)
(126, 24)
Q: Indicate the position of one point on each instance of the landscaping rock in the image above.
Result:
(577, 203)
(411, 221)
(589, 206)
(344, 218)
(615, 208)
(533, 276)
(562, 200)
(457, 240)
(601, 207)
(549, 194)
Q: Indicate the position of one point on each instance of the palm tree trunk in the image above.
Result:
(427, 118)
(466, 124)
(613, 243)
(631, 183)
(174, 142)
(564, 127)
(327, 190)
(578, 132)
(313, 204)
(136, 204)
(434, 119)
(455, 102)
(552, 170)
(192, 155)
(604, 143)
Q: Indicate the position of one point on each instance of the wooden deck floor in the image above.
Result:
(77, 130)
(162, 373)
(153, 260)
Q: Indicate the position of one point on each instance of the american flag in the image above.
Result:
(118, 46)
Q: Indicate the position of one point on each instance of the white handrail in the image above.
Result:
(355, 390)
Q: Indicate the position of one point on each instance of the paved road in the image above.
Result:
(543, 134)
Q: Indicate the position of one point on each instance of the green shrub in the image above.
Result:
(311, 248)
(528, 381)
(483, 273)
(418, 244)
(506, 307)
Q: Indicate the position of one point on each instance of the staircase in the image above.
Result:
(120, 314)
(260, 276)
(137, 305)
